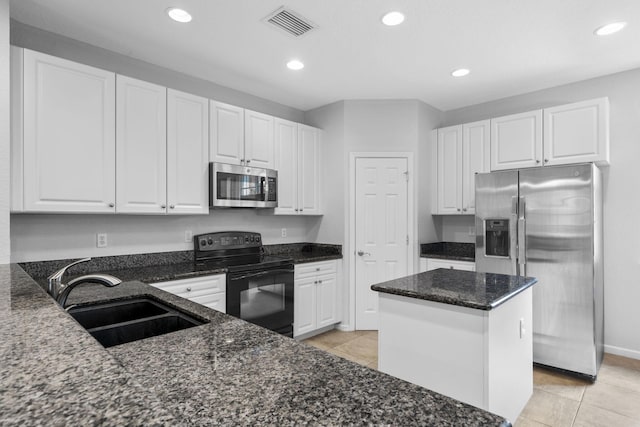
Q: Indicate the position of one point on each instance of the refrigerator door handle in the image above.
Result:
(522, 242)
(513, 233)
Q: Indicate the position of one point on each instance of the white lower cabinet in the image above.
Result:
(209, 291)
(427, 264)
(315, 297)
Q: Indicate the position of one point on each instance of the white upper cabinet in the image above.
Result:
(226, 133)
(476, 147)
(516, 141)
(286, 163)
(187, 153)
(462, 151)
(258, 140)
(308, 170)
(297, 160)
(449, 170)
(577, 133)
(241, 137)
(141, 147)
(69, 135)
(573, 133)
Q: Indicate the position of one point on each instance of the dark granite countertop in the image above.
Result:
(225, 372)
(483, 291)
(164, 266)
(449, 250)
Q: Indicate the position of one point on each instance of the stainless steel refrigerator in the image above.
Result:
(547, 223)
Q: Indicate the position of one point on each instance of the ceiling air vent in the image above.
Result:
(290, 22)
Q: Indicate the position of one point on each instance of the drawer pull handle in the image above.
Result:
(189, 289)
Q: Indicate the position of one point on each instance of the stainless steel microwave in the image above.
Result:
(242, 186)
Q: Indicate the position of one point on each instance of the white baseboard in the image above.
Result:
(632, 354)
(345, 328)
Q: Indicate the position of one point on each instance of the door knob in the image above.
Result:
(361, 253)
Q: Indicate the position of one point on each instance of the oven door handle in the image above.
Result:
(261, 273)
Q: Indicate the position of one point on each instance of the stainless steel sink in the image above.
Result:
(120, 322)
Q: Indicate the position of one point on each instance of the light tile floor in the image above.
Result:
(558, 400)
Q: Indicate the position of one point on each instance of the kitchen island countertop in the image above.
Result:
(224, 372)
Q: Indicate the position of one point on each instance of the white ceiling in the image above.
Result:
(511, 46)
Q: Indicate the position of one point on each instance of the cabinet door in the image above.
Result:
(69, 136)
(449, 166)
(577, 133)
(286, 163)
(475, 159)
(226, 134)
(516, 141)
(258, 140)
(141, 147)
(187, 153)
(309, 184)
(326, 296)
(17, 120)
(304, 306)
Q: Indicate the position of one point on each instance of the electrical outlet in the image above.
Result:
(284, 232)
(523, 330)
(188, 236)
(101, 240)
(472, 231)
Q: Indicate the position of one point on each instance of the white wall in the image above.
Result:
(621, 195)
(5, 119)
(37, 237)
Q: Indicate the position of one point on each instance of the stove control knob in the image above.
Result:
(210, 241)
(203, 242)
(257, 239)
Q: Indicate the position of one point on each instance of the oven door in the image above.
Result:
(242, 186)
(263, 297)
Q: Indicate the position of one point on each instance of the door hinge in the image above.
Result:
(406, 176)
(407, 240)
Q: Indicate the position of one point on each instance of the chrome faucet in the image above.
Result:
(60, 291)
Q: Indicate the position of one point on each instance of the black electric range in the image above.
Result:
(259, 287)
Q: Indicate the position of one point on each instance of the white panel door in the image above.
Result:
(381, 231)
(449, 170)
(286, 163)
(475, 159)
(187, 153)
(516, 141)
(226, 134)
(305, 306)
(309, 170)
(258, 140)
(141, 147)
(577, 133)
(69, 136)
(326, 293)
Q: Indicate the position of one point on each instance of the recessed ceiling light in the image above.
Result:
(393, 18)
(614, 27)
(294, 64)
(179, 15)
(460, 72)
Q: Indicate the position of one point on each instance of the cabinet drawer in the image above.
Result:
(315, 269)
(216, 301)
(197, 286)
(432, 264)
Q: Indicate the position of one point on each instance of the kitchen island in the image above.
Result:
(460, 333)
(225, 372)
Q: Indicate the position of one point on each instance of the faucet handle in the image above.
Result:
(56, 277)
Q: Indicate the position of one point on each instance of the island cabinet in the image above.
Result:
(466, 335)
(297, 160)
(209, 291)
(315, 297)
(241, 137)
(462, 152)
